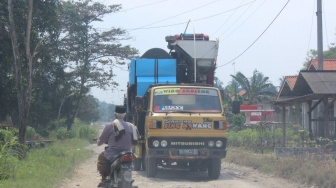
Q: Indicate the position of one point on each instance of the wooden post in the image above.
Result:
(310, 120)
(283, 126)
(326, 118)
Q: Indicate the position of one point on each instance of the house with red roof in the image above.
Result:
(315, 92)
(328, 64)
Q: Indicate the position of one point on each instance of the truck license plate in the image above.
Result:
(188, 151)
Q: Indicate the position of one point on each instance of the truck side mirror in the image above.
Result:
(235, 107)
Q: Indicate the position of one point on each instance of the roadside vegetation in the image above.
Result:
(48, 165)
(254, 147)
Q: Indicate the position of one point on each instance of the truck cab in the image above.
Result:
(185, 126)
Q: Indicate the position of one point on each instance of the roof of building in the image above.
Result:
(310, 85)
(287, 85)
(290, 82)
(315, 82)
(328, 64)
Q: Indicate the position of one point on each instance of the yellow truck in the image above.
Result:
(178, 111)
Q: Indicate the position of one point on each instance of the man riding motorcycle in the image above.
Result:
(120, 136)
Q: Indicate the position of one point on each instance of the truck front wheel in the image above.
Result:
(214, 168)
(151, 166)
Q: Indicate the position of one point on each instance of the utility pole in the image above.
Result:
(319, 35)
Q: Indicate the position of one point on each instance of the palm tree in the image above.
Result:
(230, 91)
(258, 88)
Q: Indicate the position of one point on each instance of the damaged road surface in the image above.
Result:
(231, 176)
(86, 176)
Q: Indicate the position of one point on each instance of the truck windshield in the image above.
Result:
(188, 99)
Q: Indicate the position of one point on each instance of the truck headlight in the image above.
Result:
(164, 143)
(219, 144)
(156, 143)
(211, 144)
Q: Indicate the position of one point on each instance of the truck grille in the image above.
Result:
(186, 143)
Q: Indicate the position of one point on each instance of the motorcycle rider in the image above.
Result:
(119, 136)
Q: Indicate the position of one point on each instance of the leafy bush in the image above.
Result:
(79, 129)
(258, 137)
(87, 132)
(10, 149)
(47, 167)
(31, 134)
(237, 121)
(62, 133)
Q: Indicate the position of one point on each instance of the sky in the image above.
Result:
(270, 36)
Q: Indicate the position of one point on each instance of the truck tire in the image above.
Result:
(137, 164)
(143, 159)
(214, 168)
(151, 166)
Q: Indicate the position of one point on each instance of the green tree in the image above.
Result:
(218, 83)
(331, 53)
(90, 54)
(258, 87)
(237, 121)
(7, 81)
(89, 111)
(26, 37)
(327, 54)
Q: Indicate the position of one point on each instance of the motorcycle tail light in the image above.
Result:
(126, 158)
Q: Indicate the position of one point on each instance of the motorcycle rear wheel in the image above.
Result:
(124, 184)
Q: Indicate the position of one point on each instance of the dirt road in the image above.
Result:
(86, 176)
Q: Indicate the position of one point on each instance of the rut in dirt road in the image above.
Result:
(86, 176)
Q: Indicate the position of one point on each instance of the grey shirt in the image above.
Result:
(116, 146)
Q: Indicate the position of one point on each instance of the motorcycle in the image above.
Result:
(121, 172)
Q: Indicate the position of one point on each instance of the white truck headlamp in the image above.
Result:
(211, 144)
(219, 144)
(164, 143)
(156, 143)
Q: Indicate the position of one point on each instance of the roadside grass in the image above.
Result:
(47, 167)
(310, 170)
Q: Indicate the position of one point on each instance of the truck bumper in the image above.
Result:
(202, 153)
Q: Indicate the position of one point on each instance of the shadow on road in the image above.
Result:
(164, 174)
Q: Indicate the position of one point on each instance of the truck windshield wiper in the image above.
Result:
(181, 111)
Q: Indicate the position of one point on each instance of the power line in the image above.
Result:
(257, 37)
(140, 6)
(248, 17)
(325, 23)
(231, 25)
(227, 19)
(175, 15)
(235, 22)
(311, 26)
(193, 20)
